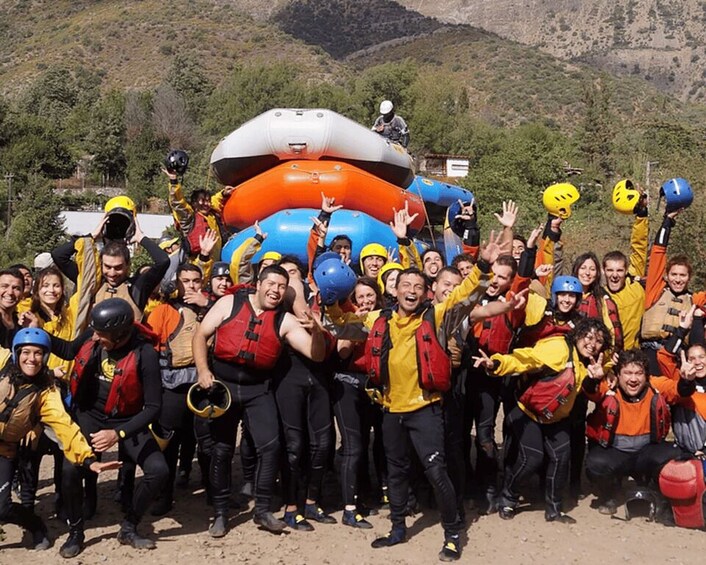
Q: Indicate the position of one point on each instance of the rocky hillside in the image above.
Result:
(660, 41)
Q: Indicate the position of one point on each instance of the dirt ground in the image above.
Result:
(182, 537)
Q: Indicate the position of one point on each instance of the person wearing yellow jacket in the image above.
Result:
(200, 213)
(624, 279)
(413, 414)
(26, 381)
(551, 374)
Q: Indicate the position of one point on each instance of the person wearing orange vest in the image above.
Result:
(666, 293)
(175, 323)
(116, 393)
(628, 429)
(250, 329)
(551, 374)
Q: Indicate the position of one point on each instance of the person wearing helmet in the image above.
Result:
(116, 391)
(551, 373)
(372, 257)
(175, 323)
(244, 359)
(242, 268)
(387, 281)
(220, 280)
(202, 212)
(99, 276)
(667, 293)
(26, 382)
(627, 432)
(390, 125)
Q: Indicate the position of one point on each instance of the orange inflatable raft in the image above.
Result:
(299, 184)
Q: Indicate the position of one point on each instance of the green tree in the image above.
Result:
(595, 136)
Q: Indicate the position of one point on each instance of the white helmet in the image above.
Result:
(386, 107)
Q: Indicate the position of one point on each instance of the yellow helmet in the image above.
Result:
(124, 202)
(166, 242)
(121, 218)
(209, 403)
(160, 435)
(558, 198)
(384, 269)
(372, 250)
(271, 255)
(625, 196)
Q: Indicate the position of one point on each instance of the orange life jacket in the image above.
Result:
(433, 363)
(601, 424)
(249, 339)
(125, 397)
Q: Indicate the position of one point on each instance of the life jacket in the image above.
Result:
(179, 352)
(192, 243)
(125, 397)
(433, 362)
(496, 335)
(121, 291)
(662, 318)
(249, 339)
(682, 483)
(546, 327)
(357, 362)
(589, 308)
(544, 396)
(602, 423)
(18, 410)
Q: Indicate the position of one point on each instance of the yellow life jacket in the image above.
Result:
(121, 291)
(179, 351)
(662, 318)
(19, 410)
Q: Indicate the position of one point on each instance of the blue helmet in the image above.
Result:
(335, 280)
(566, 283)
(677, 194)
(31, 336)
(324, 257)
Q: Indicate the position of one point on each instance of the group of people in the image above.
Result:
(175, 362)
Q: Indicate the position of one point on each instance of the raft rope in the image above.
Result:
(426, 216)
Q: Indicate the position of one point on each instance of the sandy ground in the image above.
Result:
(182, 538)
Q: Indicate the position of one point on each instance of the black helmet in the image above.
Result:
(177, 162)
(220, 269)
(113, 315)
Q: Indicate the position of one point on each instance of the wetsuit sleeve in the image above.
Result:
(241, 271)
(152, 391)
(218, 201)
(658, 263)
(697, 333)
(62, 257)
(71, 440)
(667, 362)
(68, 349)
(638, 247)
(144, 284)
(181, 210)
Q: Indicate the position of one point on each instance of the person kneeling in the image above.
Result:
(627, 430)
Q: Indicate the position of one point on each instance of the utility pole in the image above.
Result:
(648, 170)
(8, 180)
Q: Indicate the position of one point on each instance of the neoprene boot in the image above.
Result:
(398, 534)
(74, 543)
(219, 528)
(128, 536)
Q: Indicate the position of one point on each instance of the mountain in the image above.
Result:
(661, 41)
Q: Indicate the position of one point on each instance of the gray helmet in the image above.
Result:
(113, 315)
(220, 269)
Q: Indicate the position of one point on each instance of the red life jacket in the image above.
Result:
(433, 363)
(544, 396)
(601, 424)
(682, 482)
(357, 363)
(248, 339)
(589, 308)
(546, 327)
(496, 335)
(125, 397)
